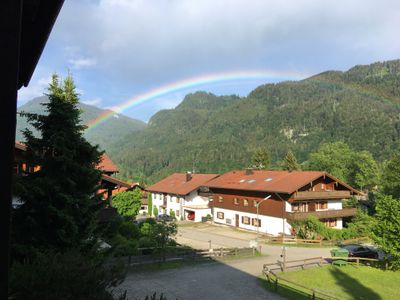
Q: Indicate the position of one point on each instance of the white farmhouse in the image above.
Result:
(179, 193)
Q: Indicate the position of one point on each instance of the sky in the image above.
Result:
(140, 56)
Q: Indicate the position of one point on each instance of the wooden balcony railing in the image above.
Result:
(321, 195)
(323, 214)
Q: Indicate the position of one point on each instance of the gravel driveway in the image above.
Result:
(205, 281)
(234, 279)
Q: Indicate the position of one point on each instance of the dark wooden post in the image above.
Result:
(11, 15)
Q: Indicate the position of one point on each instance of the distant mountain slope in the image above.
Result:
(104, 134)
(215, 134)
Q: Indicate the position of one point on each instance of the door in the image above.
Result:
(237, 220)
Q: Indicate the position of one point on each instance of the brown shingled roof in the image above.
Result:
(177, 184)
(270, 181)
(107, 165)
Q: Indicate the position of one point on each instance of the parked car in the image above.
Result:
(165, 217)
(142, 220)
(361, 251)
(190, 216)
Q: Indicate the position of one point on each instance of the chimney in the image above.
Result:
(249, 171)
(188, 176)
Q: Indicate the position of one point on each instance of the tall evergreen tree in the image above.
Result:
(60, 204)
(290, 162)
(260, 160)
(391, 176)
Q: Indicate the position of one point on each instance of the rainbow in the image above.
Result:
(193, 82)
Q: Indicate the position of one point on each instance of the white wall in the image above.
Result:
(194, 199)
(335, 204)
(270, 225)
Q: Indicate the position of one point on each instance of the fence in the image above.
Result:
(294, 240)
(153, 255)
(273, 278)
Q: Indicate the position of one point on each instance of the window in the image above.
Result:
(177, 200)
(245, 220)
(330, 222)
(236, 201)
(321, 205)
(245, 202)
(220, 215)
(256, 222)
(254, 203)
(300, 207)
(322, 186)
(177, 212)
(220, 199)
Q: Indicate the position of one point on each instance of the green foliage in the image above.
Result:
(128, 203)
(333, 158)
(60, 202)
(290, 162)
(162, 234)
(312, 228)
(218, 134)
(172, 213)
(260, 160)
(155, 211)
(64, 276)
(358, 169)
(391, 176)
(149, 204)
(364, 171)
(385, 231)
(102, 134)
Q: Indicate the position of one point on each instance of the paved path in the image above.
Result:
(233, 279)
(206, 281)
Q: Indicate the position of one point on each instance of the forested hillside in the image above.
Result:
(206, 133)
(104, 134)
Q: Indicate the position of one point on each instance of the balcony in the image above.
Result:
(323, 214)
(321, 195)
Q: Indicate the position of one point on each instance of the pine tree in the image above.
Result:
(260, 159)
(290, 162)
(60, 202)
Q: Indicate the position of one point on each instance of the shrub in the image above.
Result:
(67, 275)
(155, 211)
(172, 213)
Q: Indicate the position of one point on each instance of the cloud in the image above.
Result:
(37, 87)
(94, 102)
(79, 63)
(126, 47)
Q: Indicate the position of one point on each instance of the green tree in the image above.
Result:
(359, 169)
(391, 176)
(385, 231)
(363, 170)
(260, 160)
(162, 234)
(60, 202)
(290, 162)
(149, 204)
(333, 158)
(155, 211)
(128, 203)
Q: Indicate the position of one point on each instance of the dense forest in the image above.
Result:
(208, 133)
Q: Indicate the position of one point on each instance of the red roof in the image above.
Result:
(106, 164)
(178, 185)
(269, 181)
(20, 145)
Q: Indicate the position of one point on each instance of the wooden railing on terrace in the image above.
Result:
(321, 195)
(323, 214)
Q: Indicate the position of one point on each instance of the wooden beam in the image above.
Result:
(11, 16)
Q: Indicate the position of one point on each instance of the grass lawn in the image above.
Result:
(346, 282)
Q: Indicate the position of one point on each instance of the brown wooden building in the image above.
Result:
(280, 196)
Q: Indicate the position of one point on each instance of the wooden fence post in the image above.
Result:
(276, 284)
(313, 294)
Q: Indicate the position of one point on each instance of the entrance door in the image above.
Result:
(237, 220)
